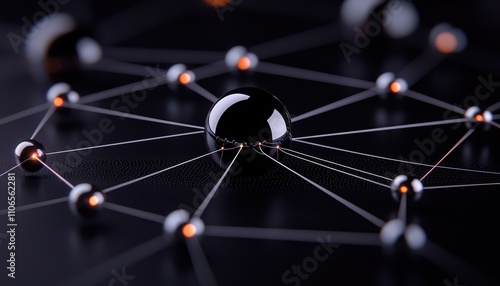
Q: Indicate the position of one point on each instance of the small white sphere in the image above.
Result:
(89, 51)
(474, 115)
(403, 85)
(487, 116)
(392, 231)
(174, 220)
(415, 237)
(404, 23)
(233, 56)
(85, 201)
(62, 90)
(174, 72)
(356, 12)
(198, 224)
(384, 80)
(472, 111)
(395, 229)
(447, 39)
(254, 60)
(403, 184)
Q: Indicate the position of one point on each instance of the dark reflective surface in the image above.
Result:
(460, 220)
(248, 116)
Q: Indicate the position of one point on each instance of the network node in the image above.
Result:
(60, 46)
(175, 220)
(411, 187)
(396, 231)
(28, 153)
(174, 72)
(253, 119)
(194, 227)
(189, 230)
(447, 39)
(239, 58)
(384, 80)
(415, 236)
(388, 83)
(61, 93)
(356, 12)
(186, 77)
(404, 22)
(477, 117)
(86, 201)
(247, 62)
(392, 231)
(399, 85)
(179, 225)
(179, 74)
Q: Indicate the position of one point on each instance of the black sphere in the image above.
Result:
(85, 201)
(61, 46)
(26, 152)
(253, 118)
(62, 55)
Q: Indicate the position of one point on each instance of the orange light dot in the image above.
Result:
(479, 117)
(93, 201)
(189, 230)
(395, 87)
(58, 102)
(446, 42)
(241, 145)
(403, 189)
(222, 148)
(244, 63)
(277, 146)
(185, 78)
(34, 156)
(217, 3)
(260, 143)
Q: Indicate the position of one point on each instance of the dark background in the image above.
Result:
(54, 247)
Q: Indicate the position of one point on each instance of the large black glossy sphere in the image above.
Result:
(85, 201)
(248, 116)
(62, 54)
(25, 152)
(61, 46)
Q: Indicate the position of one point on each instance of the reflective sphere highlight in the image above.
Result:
(27, 152)
(253, 118)
(85, 201)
